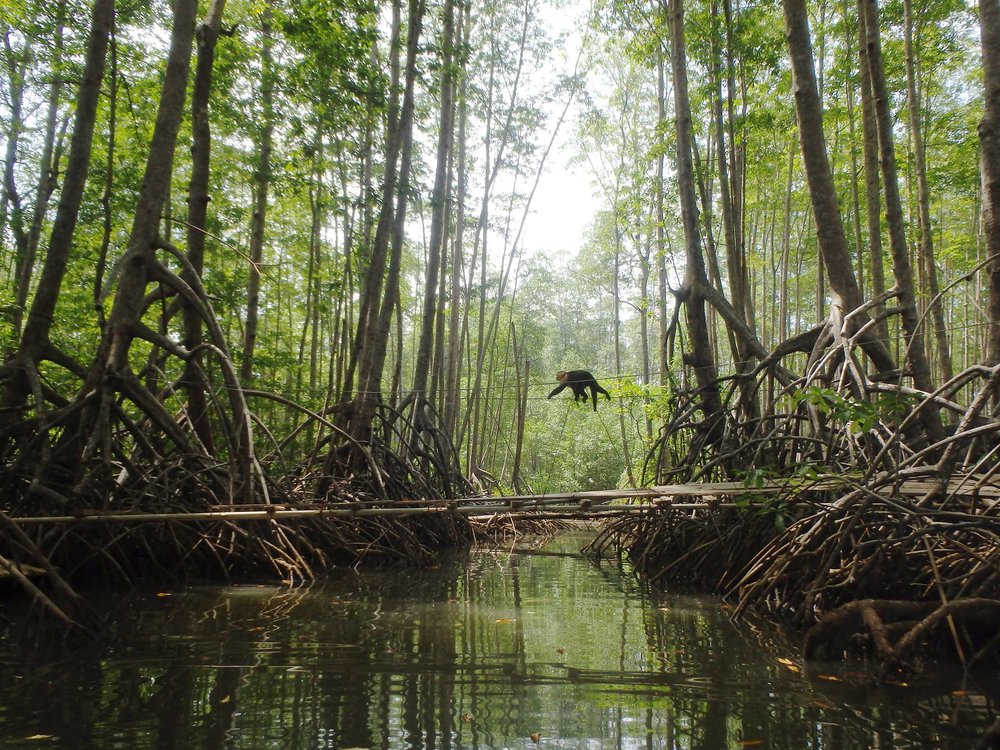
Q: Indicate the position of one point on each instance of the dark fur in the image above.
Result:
(579, 381)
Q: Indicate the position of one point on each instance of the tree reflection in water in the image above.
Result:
(485, 651)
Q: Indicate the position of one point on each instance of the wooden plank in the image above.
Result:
(577, 504)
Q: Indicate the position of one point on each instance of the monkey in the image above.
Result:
(579, 381)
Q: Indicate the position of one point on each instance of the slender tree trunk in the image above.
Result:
(916, 354)
(833, 245)
(924, 201)
(108, 192)
(786, 239)
(873, 203)
(734, 261)
(699, 357)
(34, 340)
(439, 205)
(521, 406)
(645, 264)
(850, 37)
(193, 378)
(262, 182)
(11, 209)
(28, 245)
(617, 338)
(129, 302)
(390, 230)
(661, 231)
(989, 143)
(371, 290)
(454, 359)
(491, 169)
(313, 290)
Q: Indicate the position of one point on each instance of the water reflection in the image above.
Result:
(491, 650)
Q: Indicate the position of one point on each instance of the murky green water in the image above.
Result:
(530, 649)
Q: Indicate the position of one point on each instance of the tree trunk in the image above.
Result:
(916, 354)
(129, 303)
(645, 264)
(924, 201)
(873, 204)
(989, 143)
(661, 232)
(35, 339)
(193, 379)
(374, 278)
(734, 262)
(846, 297)
(47, 177)
(390, 229)
(439, 206)
(11, 209)
(521, 405)
(617, 337)
(786, 240)
(453, 360)
(699, 357)
(262, 181)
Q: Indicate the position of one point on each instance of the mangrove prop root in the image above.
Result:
(849, 554)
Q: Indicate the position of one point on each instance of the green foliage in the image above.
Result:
(856, 415)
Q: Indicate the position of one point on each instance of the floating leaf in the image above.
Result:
(226, 699)
(959, 693)
(536, 736)
(163, 593)
(467, 717)
(897, 684)
(560, 651)
(504, 620)
(786, 662)
(750, 743)
(39, 737)
(829, 678)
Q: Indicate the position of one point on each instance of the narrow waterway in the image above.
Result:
(529, 647)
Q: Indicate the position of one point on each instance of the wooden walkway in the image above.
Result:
(588, 504)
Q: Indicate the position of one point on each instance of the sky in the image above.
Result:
(565, 203)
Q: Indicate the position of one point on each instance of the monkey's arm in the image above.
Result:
(557, 390)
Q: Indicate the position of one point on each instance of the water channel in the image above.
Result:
(529, 646)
